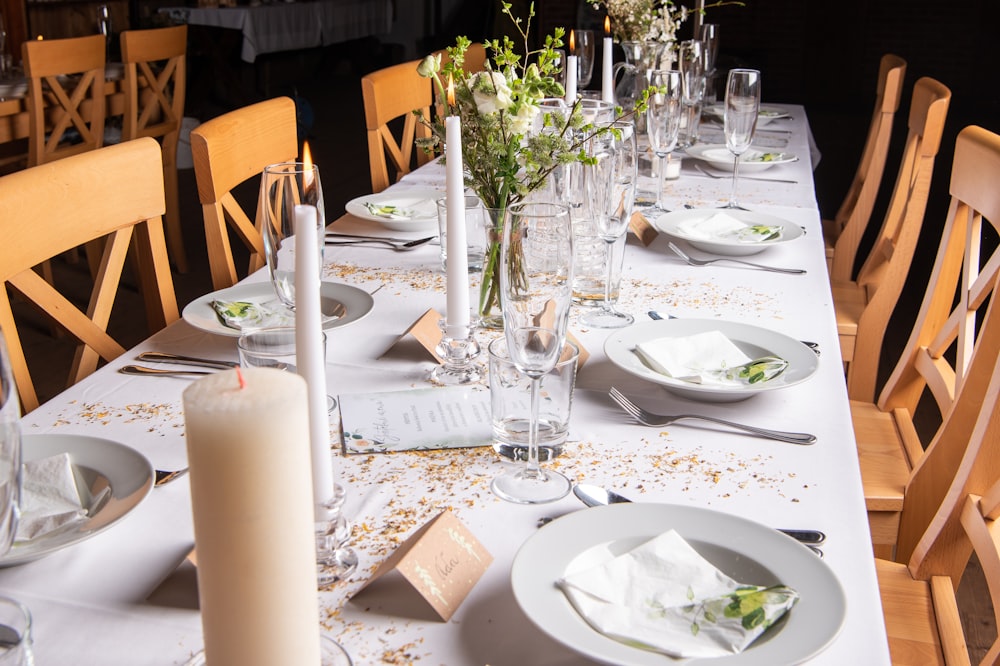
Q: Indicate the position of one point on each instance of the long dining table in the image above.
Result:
(126, 596)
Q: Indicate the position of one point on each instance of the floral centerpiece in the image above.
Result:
(648, 20)
(510, 147)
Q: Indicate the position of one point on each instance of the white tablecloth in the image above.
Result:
(289, 26)
(92, 601)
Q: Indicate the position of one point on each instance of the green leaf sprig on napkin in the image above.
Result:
(389, 211)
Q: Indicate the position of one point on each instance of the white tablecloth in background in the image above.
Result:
(90, 601)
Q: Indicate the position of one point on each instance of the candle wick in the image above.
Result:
(241, 378)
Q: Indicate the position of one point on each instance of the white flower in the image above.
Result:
(523, 120)
(491, 92)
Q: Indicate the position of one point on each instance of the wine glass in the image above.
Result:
(690, 57)
(740, 118)
(663, 118)
(536, 278)
(582, 47)
(709, 35)
(611, 189)
(282, 187)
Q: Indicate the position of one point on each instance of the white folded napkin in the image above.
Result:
(722, 226)
(49, 497)
(701, 358)
(664, 596)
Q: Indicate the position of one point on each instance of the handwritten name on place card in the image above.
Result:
(442, 560)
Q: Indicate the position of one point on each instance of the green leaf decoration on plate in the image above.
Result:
(237, 314)
(759, 370)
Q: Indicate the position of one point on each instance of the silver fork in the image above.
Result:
(705, 262)
(658, 420)
(717, 176)
(395, 245)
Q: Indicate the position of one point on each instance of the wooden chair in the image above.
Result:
(155, 107)
(475, 57)
(394, 93)
(844, 232)
(227, 151)
(65, 96)
(113, 193)
(864, 306)
(951, 356)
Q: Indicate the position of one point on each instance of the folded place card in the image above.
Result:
(442, 560)
(416, 420)
(643, 230)
(426, 331)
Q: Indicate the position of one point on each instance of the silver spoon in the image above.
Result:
(156, 372)
(705, 262)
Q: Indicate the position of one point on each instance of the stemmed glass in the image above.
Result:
(663, 119)
(536, 279)
(709, 35)
(611, 183)
(742, 107)
(282, 187)
(583, 48)
(690, 56)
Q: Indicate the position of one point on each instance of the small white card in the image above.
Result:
(416, 420)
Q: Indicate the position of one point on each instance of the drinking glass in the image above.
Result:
(536, 278)
(740, 117)
(690, 58)
(663, 119)
(611, 188)
(273, 347)
(582, 47)
(10, 451)
(282, 187)
(709, 35)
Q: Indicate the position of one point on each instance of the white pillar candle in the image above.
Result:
(458, 316)
(309, 352)
(571, 70)
(607, 71)
(248, 449)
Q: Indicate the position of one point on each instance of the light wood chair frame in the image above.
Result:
(65, 92)
(865, 305)
(113, 193)
(227, 151)
(843, 234)
(391, 93)
(155, 88)
(951, 355)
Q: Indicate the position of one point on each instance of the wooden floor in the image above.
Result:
(329, 96)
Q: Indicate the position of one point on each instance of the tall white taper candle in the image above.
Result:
(310, 358)
(571, 70)
(458, 316)
(607, 65)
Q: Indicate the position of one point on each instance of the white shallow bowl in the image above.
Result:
(677, 225)
(753, 160)
(419, 205)
(341, 305)
(99, 465)
(745, 550)
(753, 341)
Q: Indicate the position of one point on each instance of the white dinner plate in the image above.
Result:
(350, 303)
(678, 224)
(418, 208)
(98, 464)
(753, 341)
(747, 551)
(765, 115)
(754, 159)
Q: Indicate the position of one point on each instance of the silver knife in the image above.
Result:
(163, 357)
(596, 496)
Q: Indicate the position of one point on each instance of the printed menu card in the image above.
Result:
(416, 420)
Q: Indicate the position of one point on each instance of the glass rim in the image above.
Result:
(555, 208)
(289, 167)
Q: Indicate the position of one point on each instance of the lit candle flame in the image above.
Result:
(451, 91)
(572, 42)
(607, 26)
(307, 167)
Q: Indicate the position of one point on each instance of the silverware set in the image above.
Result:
(212, 365)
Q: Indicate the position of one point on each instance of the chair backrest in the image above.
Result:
(475, 57)
(884, 272)
(48, 209)
(855, 211)
(979, 515)
(65, 96)
(155, 87)
(953, 355)
(391, 93)
(227, 151)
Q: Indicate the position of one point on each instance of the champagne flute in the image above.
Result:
(583, 48)
(611, 189)
(690, 55)
(709, 34)
(536, 278)
(282, 186)
(740, 118)
(663, 119)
